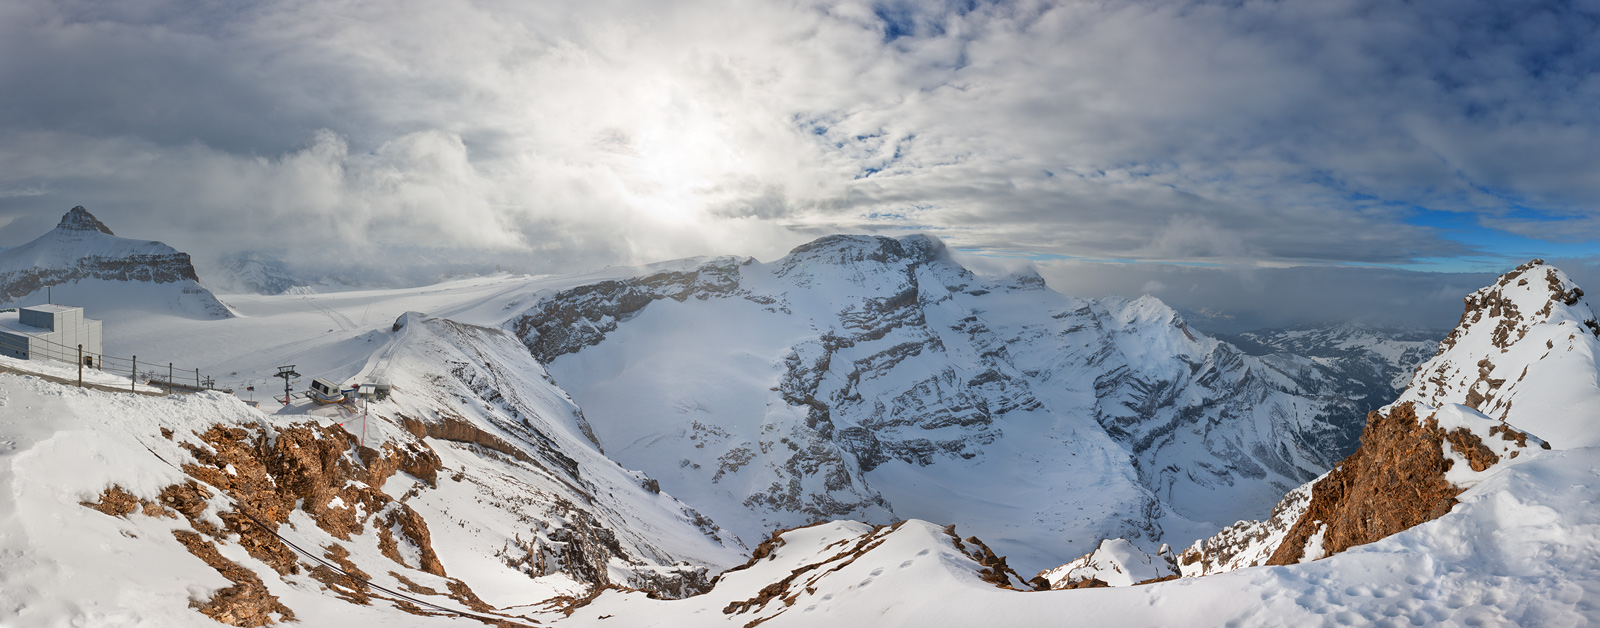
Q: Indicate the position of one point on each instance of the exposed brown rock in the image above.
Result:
(995, 571)
(462, 593)
(1393, 481)
(413, 529)
(118, 502)
(1155, 580)
(411, 586)
(1092, 583)
(247, 602)
(459, 430)
(350, 585)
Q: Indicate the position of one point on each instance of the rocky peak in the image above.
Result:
(79, 219)
(841, 250)
(1531, 329)
(1533, 293)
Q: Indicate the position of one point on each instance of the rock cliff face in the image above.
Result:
(1408, 470)
(81, 248)
(857, 374)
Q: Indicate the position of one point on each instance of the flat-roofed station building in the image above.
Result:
(51, 332)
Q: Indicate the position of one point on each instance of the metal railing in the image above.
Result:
(169, 376)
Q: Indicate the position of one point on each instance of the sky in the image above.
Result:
(1272, 162)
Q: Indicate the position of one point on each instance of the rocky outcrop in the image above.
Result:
(79, 219)
(1114, 563)
(807, 579)
(1398, 478)
(1246, 543)
(580, 317)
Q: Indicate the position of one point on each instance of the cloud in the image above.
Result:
(1226, 300)
(572, 135)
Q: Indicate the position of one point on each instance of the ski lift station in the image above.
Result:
(49, 332)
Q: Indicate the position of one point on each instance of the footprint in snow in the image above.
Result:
(906, 564)
(877, 572)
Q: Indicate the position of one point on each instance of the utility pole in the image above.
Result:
(80, 366)
(286, 372)
(133, 374)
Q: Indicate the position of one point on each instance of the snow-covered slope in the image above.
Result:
(1520, 550)
(89, 266)
(878, 379)
(475, 488)
(478, 489)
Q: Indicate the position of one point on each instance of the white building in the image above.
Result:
(49, 331)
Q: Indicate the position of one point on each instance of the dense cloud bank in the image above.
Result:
(568, 136)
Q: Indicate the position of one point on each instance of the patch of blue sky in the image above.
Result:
(1499, 249)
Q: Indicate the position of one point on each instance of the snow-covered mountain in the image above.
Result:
(252, 271)
(85, 264)
(877, 379)
(1524, 353)
(1375, 361)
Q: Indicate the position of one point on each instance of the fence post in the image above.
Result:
(197, 378)
(170, 379)
(80, 366)
(133, 375)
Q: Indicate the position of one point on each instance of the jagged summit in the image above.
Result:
(1531, 294)
(79, 219)
(1524, 353)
